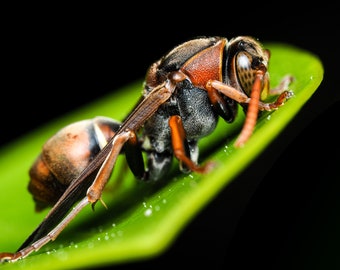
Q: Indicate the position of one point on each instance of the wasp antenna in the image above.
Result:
(252, 112)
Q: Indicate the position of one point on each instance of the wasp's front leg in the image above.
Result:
(282, 87)
(281, 91)
(254, 103)
(242, 98)
(280, 100)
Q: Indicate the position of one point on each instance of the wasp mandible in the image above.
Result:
(185, 92)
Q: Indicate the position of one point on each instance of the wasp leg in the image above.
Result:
(283, 85)
(231, 92)
(93, 195)
(94, 192)
(254, 103)
(281, 91)
(281, 99)
(226, 111)
(240, 97)
(177, 139)
(51, 236)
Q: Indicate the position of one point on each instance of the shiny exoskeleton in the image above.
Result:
(185, 93)
(65, 155)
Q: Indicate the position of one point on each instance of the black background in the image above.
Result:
(283, 211)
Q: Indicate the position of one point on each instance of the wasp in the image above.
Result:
(184, 94)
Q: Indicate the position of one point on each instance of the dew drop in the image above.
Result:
(226, 149)
(148, 212)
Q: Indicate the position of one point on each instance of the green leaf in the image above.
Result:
(142, 219)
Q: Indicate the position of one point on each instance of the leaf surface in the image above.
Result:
(142, 219)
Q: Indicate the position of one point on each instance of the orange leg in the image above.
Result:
(220, 105)
(177, 139)
(95, 190)
(93, 195)
(240, 97)
(254, 103)
(282, 87)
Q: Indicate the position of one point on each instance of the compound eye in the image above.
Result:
(245, 72)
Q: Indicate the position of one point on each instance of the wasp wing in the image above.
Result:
(78, 188)
(72, 194)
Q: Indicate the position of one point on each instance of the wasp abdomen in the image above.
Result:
(65, 155)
